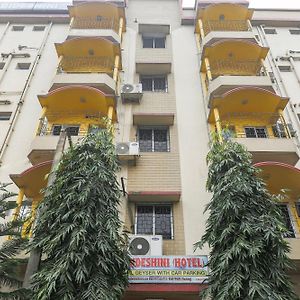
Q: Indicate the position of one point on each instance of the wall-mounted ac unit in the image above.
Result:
(131, 93)
(150, 245)
(128, 151)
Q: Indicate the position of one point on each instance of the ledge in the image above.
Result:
(154, 196)
(153, 119)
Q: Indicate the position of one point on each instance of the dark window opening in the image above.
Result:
(256, 132)
(154, 139)
(5, 116)
(154, 42)
(154, 83)
(287, 221)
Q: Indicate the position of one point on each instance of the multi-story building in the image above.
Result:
(166, 77)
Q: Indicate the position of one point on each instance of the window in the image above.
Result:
(287, 219)
(154, 220)
(70, 129)
(2, 64)
(154, 139)
(154, 83)
(38, 28)
(279, 130)
(270, 31)
(284, 68)
(18, 28)
(294, 31)
(23, 66)
(5, 116)
(154, 42)
(256, 132)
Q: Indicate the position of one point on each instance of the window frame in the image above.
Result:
(292, 227)
(154, 205)
(153, 128)
(152, 78)
(256, 134)
(154, 43)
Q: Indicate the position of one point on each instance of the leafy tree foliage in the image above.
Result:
(248, 258)
(10, 265)
(79, 229)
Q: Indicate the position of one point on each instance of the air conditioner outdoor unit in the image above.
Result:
(131, 93)
(150, 245)
(128, 151)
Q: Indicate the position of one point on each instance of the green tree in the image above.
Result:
(79, 230)
(248, 258)
(12, 245)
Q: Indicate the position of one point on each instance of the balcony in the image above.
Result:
(270, 149)
(223, 20)
(97, 19)
(95, 72)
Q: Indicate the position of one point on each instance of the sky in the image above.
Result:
(190, 3)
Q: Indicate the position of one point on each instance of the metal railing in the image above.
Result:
(233, 67)
(95, 23)
(85, 64)
(230, 25)
(94, 117)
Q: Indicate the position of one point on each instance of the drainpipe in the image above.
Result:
(7, 63)
(22, 97)
(4, 31)
(283, 91)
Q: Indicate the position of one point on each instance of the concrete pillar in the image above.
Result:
(121, 24)
(208, 71)
(116, 68)
(19, 204)
(200, 23)
(218, 124)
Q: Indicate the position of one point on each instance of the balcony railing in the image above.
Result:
(94, 117)
(230, 25)
(233, 67)
(83, 64)
(95, 23)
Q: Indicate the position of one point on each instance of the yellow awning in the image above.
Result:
(95, 9)
(235, 50)
(248, 100)
(280, 176)
(224, 11)
(33, 180)
(76, 100)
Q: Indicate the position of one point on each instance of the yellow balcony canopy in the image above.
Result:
(248, 100)
(235, 51)
(280, 176)
(33, 180)
(98, 10)
(76, 100)
(223, 12)
(88, 47)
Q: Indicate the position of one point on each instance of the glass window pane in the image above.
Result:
(160, 84)
(56, 129)
(146, 84)
(285, 213)
(163, 221)
(72, 130)
(261, 132)
(160, 140)
(145, 140)
(250, 132)
(144, 220)
(160, 42)
(147, 42)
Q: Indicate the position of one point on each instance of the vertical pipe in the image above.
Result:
(7, 63)
(218, 124)
(116, 68)
(282, 119)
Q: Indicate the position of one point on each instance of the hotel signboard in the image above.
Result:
(168, 269)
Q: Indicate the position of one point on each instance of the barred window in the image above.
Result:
(153, 139)
(73, 130)
(154, 83)
(256, 132)
(154, 220)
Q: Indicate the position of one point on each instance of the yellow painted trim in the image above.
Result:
(43, 114)
(121, 24)
(282, 119)
(207, 66)
(201, 31)
(116, 68)
(19, 204)
(218, 124)
(71, 22)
